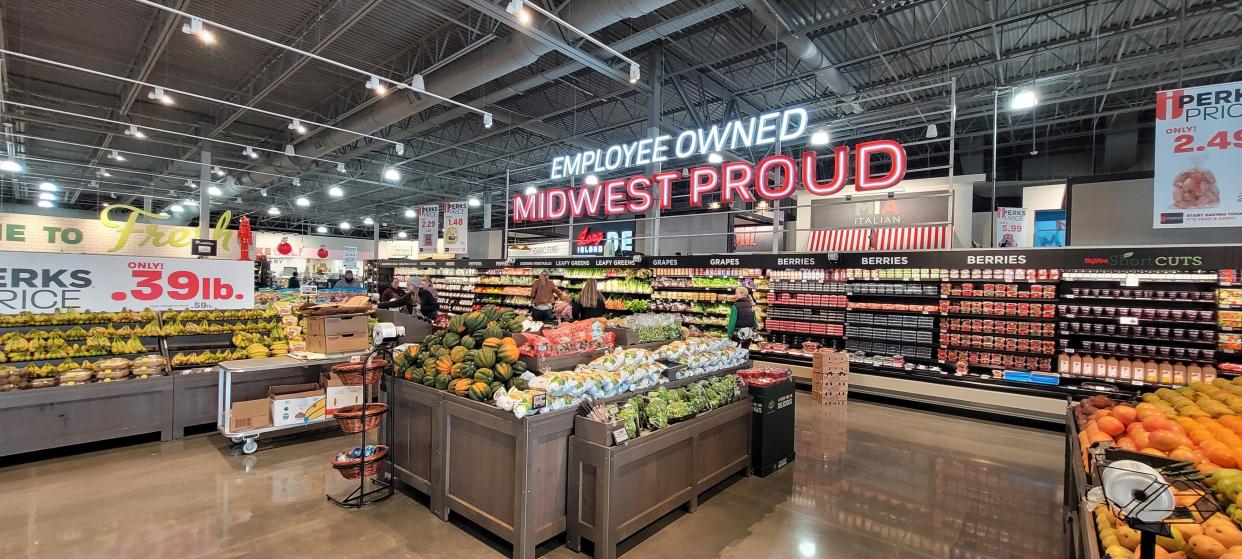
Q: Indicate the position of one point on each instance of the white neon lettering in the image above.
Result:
(659, 152)
(767, 127)
(588, 159)
(642, 155)
(612, 158)
(787, 118)
(683, 148)
(713, 139)
(558, 167)
(743, 136)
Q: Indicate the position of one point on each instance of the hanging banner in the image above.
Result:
(48, 282)
(120, 230)
(349, 256)
(1198, 136)
(1011, 228)
(428, 227)
(455, 227)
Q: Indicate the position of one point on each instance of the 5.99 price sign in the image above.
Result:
(51, 282)
(1198, 157)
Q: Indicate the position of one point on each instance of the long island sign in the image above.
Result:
(772, 178)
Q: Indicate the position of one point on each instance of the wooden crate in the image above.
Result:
(508, 475)
(672, 467)
(416, 410)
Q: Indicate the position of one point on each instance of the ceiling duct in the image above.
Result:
(497, 59)
(807, 51)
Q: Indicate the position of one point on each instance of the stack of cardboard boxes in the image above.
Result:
(830, 377)
(294, 404)
(337, 334)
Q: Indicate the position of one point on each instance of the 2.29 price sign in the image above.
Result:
(1198, 157)
(52, 282)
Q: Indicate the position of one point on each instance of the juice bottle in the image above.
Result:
(1063, 364)
(1110, 368)
(1088, 366)
(1179, 374)
(1150, 373)
(1166, 372)
(1076, 365)
(1209, 373)
(1194, 374)
(1124, 369)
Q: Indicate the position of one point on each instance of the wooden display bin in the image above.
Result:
(616, 491)
(59, 416)
(416, 444)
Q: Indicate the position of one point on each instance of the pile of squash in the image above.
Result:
(473, 357)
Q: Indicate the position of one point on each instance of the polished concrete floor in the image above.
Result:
(870, 481)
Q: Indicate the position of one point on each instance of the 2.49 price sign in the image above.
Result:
(1198, 157)
(50, 282)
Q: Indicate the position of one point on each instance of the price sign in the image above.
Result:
(1011, 228)
(455, 225)
(620, 436)
(428, 227)
(1198, 154)
(112, 283)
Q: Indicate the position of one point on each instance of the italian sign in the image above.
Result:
(428, 227)
(1011, 230)
(92, 282)
(455, 227)
(1198, 157)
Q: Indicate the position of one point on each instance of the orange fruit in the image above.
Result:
(1125, 414)
(1221, 455)
(1136, 426)
(1111, 425)
(1164, 441)
(1145, 409)
(1183, 454)
(1156, 422)
(1141, 439)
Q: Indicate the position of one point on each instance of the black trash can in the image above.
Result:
(772, 427)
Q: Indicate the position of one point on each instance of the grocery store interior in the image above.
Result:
(936, 279)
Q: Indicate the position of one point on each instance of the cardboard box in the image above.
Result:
(337, 334)
(295, 404)
(338, 395)
(250, 415)
(830, 362)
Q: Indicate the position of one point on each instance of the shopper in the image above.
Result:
(564, 308)
(427, 298)
(294, 283)
(348, 281)
(393, 291)
(590, 303)
(742, 316)
(543, 295)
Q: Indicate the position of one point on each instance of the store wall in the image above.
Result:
(1043, 197)
(1120, 213)
(709, 230)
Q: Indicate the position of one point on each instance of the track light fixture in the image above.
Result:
(249, 152)
(134, 132)
(487, 120)
(116, 156)
(932, 131)
(158, 94)
(263, 192)
(297, 126)
(289, 151)
(103, 173)
(340, 168)
(297, 181)
(217, 171)
(635, 72)
(195, 27)
(418, 83)
(374, 84)
(400, 149)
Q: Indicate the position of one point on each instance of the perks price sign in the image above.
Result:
(455, 227)
(1011, 228)
(603, 239)
(1198, 157)
(111, 283)
(428, 227)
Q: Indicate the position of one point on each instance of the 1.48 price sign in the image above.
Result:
(455, 227)
(1198, 157)
(52, 282)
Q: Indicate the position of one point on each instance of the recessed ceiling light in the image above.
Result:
(48, 187)
(302, 201)
(410, 214)
(336, 192)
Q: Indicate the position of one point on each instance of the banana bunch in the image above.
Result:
(280, 348)
(132, 345)
(257, 351)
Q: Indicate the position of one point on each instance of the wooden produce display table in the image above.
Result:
(59, 416)
(615, 491)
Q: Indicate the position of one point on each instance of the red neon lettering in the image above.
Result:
(664, 182)
(641, 199)
(524, 208)
(558, 206)
(788, 181)
(587, 238)
(702, 181)
(614, 196)
(862, 164)
(840, 171)
(584, 201)
(737, 177)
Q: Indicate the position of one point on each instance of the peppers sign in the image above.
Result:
(735, 180)
(92, 282)
(1198, 140)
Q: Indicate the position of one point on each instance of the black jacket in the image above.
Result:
(583, 312)
(427, 304)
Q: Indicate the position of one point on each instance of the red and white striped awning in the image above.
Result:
(913, 238)
(839, 240)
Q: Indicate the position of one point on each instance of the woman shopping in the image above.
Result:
(428, 299)
(543, 296)
(742, 316)
(590, 303)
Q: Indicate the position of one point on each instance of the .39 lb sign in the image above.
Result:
(52, 282)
